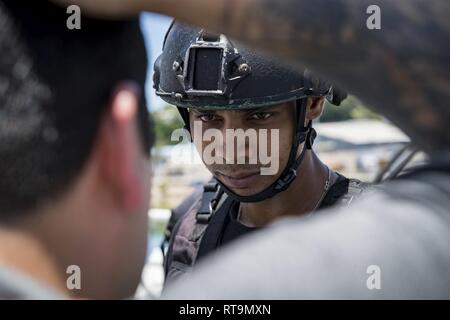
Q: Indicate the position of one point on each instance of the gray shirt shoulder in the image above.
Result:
(15, 285)
(393, 243)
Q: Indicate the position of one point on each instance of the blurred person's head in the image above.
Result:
(74, 145)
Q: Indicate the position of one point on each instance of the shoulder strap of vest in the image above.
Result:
(191, 226)
(213, 233)
(168, 256)
(211, 217)
(208, 203)
(355, 189)
(212, 194)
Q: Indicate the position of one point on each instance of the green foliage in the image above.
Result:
(351, 108)
(166, 121)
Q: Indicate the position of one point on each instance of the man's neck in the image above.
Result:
(302, 196)
(24, 253)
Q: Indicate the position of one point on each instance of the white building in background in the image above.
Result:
(361, 132)
(358, 148)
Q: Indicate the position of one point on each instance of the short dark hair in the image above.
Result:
(55, 84)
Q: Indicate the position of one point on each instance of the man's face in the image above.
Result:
(240, 170)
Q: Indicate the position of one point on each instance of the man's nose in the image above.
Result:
(237, 147)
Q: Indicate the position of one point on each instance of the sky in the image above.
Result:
(154, 28)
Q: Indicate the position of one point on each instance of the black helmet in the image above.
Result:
(199, 70)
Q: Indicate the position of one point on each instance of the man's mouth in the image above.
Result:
(238, 180)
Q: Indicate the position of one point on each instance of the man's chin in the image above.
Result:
(244, 192)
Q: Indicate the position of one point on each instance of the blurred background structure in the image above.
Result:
(351, 140)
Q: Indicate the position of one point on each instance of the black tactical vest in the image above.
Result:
(205, 213)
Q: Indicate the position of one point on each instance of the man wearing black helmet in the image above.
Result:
(221, 86)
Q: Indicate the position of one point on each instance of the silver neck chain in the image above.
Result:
(324, 193)
(325, 190)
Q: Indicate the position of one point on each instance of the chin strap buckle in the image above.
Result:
(286, 180)
(311, 136)
(211, 196)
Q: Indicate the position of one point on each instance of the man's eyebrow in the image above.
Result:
(209, 111)
(252, 110)
(261, 109)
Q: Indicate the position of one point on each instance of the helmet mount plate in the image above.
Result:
(198, 69)
(211, 68)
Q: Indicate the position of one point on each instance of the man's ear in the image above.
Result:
(315, 108)
(120, 148)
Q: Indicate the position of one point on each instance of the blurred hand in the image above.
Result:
(110, 8)
(207, 13)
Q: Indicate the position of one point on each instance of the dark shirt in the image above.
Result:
(233, 229)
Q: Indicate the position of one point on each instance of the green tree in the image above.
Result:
(166, 121)
(351, 108)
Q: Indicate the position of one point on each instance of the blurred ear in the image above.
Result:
(121, 149)
(315, 108)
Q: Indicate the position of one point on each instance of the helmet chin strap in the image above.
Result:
(302, 134)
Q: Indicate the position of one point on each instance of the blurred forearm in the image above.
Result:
(402, 67)
(401, 70)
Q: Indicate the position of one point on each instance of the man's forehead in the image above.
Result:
(251, 110)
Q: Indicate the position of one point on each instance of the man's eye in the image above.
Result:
(261, 116)
(207, 117)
